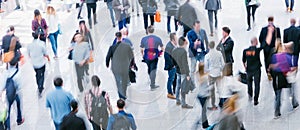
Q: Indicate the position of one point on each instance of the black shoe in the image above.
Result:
(249, 28)
(277, 116)
(205, 125)
(138, 15)
(79, 17)
(114, 26)
(255, 103)
(17, 8)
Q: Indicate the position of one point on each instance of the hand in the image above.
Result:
(82, 63)
(271, 29)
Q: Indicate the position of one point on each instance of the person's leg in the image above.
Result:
(202, 101)
(293, 95)
(210, 19)
(119, 85)
(18, 6)
(183, 102)
(216, 18)
(145, 16)
(248, 16)
(53, 43)
(222, 101)
(125, 78)
(168, 24)
(80, 9)
(175, 23)
(94, 8)
(89, 12)
(40, 78)
(250, 84)
(19, 112)
(153, 68)
(257, 77)
(277, 102)
(137, 7)
(178, 87)
(174, 83)
(292, 5)
(171, 76)
(193, 68)
(212, 82)
(7, 121)
(111, 12)
(254, 7)
(152, 19)
(287, 3)
(55, 38)
(79, 73)
(120, 24)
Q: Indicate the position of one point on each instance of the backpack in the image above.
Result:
(99, 110)
(121, 122)
(72, 122)
(11, 90)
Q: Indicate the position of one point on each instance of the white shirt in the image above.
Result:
(37, 51)
(52, 21)
(214, 63)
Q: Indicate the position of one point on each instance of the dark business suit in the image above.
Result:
(268, 48)
(186, 15)
(292, 34)
(226, 49)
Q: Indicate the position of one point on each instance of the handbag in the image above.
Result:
(132, 76)
(8, 56)
(157, 17)
(243, 77)
(254, 2)
(70, 55)
(91, 58)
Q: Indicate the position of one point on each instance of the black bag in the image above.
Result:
(243, 77)
(128, 20)
(132, 76)
(11, 90)
(99, 110)
(70, 55)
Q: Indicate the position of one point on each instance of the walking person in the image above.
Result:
(98, 115)
(85, 32)
(214, 65)
(212, 7)
(80, 55)
(172, 7)
(149, 8)
(292, 34)
(150, 51)
(182, 71)
(252, 64)
(91, 8)
(226, 48)
(268, 47)
(121, 55)
(170, 65)
(121, 120)
(289, 5)
(198, 42)
(40, 23)
(58, 101)
(37, 52)
(111, 11)
(186, 16)
(11, 82)
(121, 11)
(250, 7)
(53, 28)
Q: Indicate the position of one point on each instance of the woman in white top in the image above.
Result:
(53, 28)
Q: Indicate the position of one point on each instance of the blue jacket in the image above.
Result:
(111, 120)
(192, 37)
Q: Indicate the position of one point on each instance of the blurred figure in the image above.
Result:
(250, 7)
(186, 16)
(149, 8)
(40, 23)
(292, 34)
(212, 7)
(53, 28)
(171, 6)
(121, 12)
(289, 5)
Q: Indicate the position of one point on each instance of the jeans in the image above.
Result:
(91, 6)
(145, 15)
(40, 76)
(203, 101)
(121, 80)
(213, 83)
(122, 23)
(171, 77)
(57, 125)
(293, 95)
(193, 66)
(80, 70)
(111, 11)
(277, 102)
(152, 68)
(211, 21)
(53, 40)
(254, 7)
(288, 5)
(80, 9)
(169, 22)
(180, 78)
(256, 75)
(17, 3)
(19, 113)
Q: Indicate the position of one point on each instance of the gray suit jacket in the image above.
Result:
(187, 14)
(213, 5)
(121, 59)
(116, 4)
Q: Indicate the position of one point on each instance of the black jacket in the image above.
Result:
(226, 49)
(181, 62)
(169, 61)
(72, 122)
(251, 56)
(263, 35)
(292, 34)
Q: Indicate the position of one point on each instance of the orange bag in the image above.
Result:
(8, 56)
(157, 17)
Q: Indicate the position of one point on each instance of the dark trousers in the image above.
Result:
(171, 77)
(122, 23)
(169, 22)
(222, 101)
(80, 9)
(253, 7)
(152, 67)
(80, 74)
(122, 81)
(19, 113)
(204, 120)
(210, 14)
(145, 16)
(40, 77)
(186, 29)
(256, 75)
(91, 7)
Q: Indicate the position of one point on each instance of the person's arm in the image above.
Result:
(205, 40)
(142, 46)
(91, 40)
(115, 5)
(108, 56)
(45, 53)
(244, 59)
(86, 56)
(278, 33)
(229, 46)
(261, 36)
(222, 60)
(219, 47)
(85, 119)
(285, 39)
(132, 121)
(33, 23)
(110, 122)
(48, 105)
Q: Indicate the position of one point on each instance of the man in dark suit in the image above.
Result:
(268, 47)
(292, 34)
(226, 48)
(186, 16)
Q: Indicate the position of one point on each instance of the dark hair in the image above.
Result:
(58, 82)
(226, 29)
(172, 36)
(35, 35)
(118, 34)
(96, 81)
(74, 105)
(73, 38)
(196, 22)
(270, 19)
(81, 21)
(211, 44)
(150, 29)
(11, 28)
(36, 12)
(120, 103)
(181, 41)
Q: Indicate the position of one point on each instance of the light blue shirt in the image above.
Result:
(130, 118)
(59, 103)
(37, 52)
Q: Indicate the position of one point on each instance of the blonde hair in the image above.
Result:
(278, 45)
(230, 104)
(51, 10)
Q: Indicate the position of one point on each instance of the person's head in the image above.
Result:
(58, 82)
(10, 30)
(124, 31)
(270, 20)
(120, 104)
(230, 105)
(118, 36)
(278, 45)
(78, 38)
(96, 81)
(82, 26)
(37, 14)
(35, 35)
(173, 38)
(293, 22)
(197, 25)
(74, 105)
(226, 31)
(254, 41)
(182, 41)
(150, 29)
(288, 47)
(211, 45)
(51, 10)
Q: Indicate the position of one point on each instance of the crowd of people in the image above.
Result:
(191, 61)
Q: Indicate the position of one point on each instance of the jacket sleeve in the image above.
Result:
(229, 46)
(285, 40)
(278, 33)
(219, 47)
(127, 6)
(205, 40)
(108, 56)
(244, 56)
(185, 64)
(262, 36)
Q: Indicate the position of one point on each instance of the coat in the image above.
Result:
(213, 5)
(118, 12)
(292, 34)
(171, 6)
(146, 3)
(187, 14)
(187, 85)
(263, 35)
(226, 48)
(169, 61)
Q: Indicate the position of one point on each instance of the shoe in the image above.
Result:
(114, 26)
(249, 28)
(132, 10)
(277, 116)
(288, 9)
(138, 15)
(212, 108)
(20, 123)
(295, 108)
(212, 34)
(55, 57)
(178, 103)
(154, 87)
(255, 103)
(39, 95)
(79, 17)
(171, 96)
(17, 8)
(249, 98)
(186, 106)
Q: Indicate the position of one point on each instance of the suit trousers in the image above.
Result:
(211, 21)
